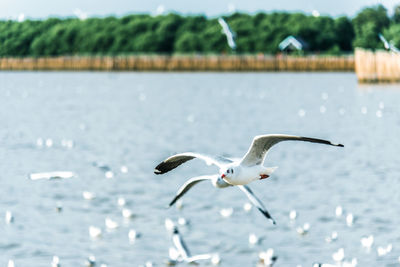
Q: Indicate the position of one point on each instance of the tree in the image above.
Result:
(396, 14)
(344, 33)
(166, 32)
(188, 42)
(214, 40)
(392, 34)
(368, 24)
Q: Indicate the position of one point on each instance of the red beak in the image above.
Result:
(223, 176)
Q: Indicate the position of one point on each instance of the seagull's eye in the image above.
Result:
(228, 171)
(231, 170)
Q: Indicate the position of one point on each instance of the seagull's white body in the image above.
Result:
(243, 175)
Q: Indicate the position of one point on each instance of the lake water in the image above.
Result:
(138, 119)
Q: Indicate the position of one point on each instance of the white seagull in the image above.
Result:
(235, 172)
(388, 45)
(240, 172)
(230, 35)
(52, 175)
(181, 253)
(218, 182)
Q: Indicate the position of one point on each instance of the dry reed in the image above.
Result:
(183, 63)
(379, 66)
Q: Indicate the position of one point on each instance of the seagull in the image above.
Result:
(339, 255)
(94, 232)
(367, 241)
(349, 219)
(90, 261)
(180, 252)
(388, 45)
(382, 251)
(133, 235)
(230, 35)
(332, 237)
(240, 172)
(52, 175)
(293, 215)
(110, 224)
(324, 265)
(218, 182)
(55, 262)
(267, 258)
(9, 218)
(303, 230)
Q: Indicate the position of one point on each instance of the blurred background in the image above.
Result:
(103, 92)
(121, 27)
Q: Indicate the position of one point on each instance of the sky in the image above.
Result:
(46, 8)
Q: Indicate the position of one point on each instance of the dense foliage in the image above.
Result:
(172, 33)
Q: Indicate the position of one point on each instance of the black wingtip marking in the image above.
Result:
(338, 145)
(172, 202)
(157, 171)
(266, 214)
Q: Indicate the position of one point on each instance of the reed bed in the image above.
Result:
(182, 63)
(379, 66)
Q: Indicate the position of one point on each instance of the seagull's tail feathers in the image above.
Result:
(270, 170)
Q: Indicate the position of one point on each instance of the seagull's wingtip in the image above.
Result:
(336, 144)
(171, 203)
(157, 171)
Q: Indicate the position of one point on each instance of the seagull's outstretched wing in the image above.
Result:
(384, 41)
(178, 159)
(195, 258)
(230, 35)
(180, 244)
(262, 143)
(189, 184)
(256, 202)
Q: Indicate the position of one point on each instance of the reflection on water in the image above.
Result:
(111, 129)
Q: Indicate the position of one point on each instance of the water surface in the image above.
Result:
(138, 119)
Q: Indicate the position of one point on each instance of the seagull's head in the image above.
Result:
(228, 173)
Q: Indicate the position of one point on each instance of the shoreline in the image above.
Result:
(189, 63)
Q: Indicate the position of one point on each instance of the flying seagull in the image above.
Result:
(388, 45)
(248, 169)
(218, 182)
(52, 175)
(181, 253)
(230, 35)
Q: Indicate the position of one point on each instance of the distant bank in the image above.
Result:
(183, 63)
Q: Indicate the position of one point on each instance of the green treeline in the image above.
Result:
(173, 33)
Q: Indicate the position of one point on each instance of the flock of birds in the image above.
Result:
(232, 172)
